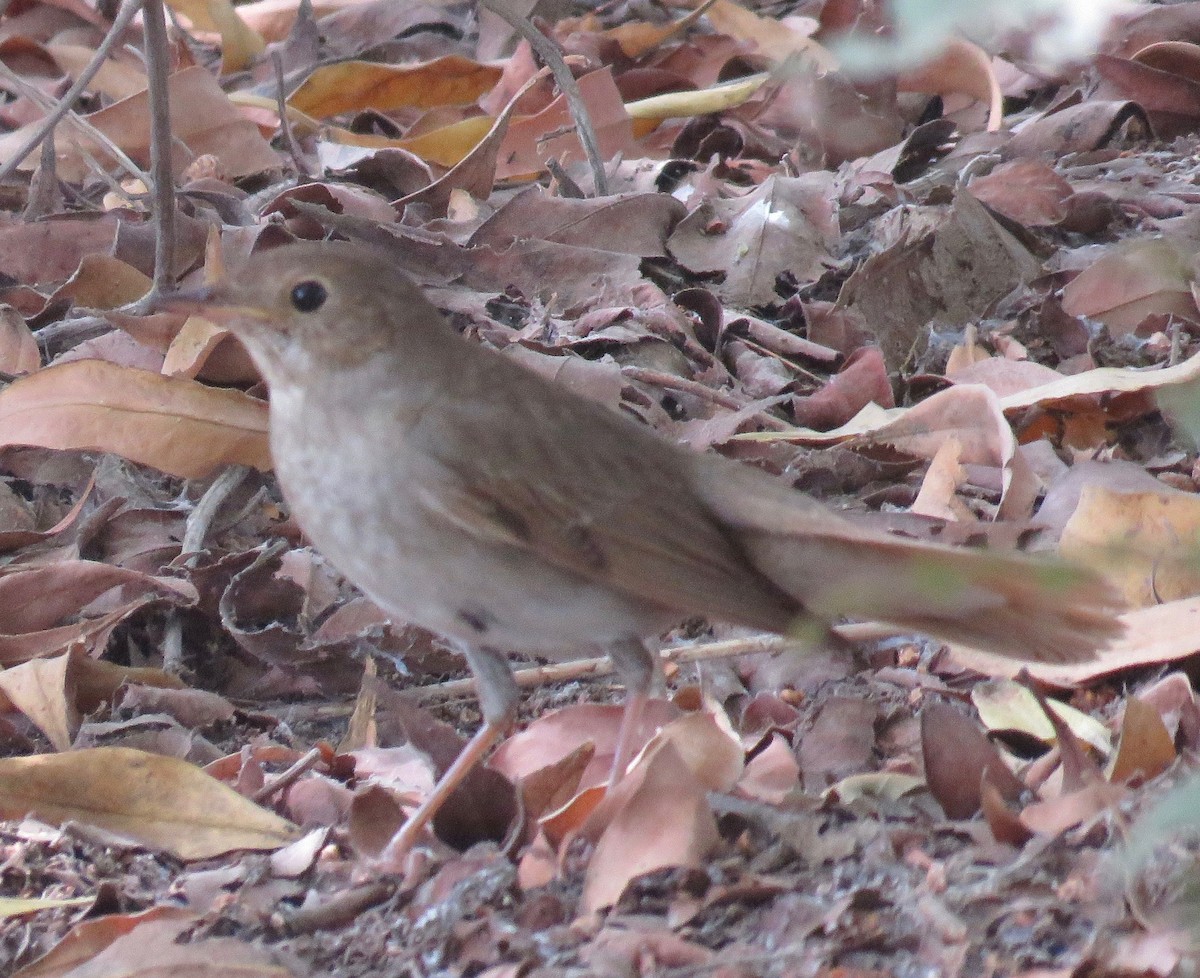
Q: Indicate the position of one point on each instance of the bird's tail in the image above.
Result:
(1009, 604)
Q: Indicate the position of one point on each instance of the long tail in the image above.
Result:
(1021, 607)
(1010, 604)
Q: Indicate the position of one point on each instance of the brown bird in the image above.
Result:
(469, 496)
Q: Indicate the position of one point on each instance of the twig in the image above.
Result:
(196, 529)
(660, 378)
(53, 105)
(158, 70)
(44, 194)
(200, 520)
(278, 783)
(123, 19)
(338, 910)
(285, 124)
(549, 53)
(592, 668)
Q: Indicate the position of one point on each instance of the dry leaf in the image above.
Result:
(41, 689)
(1145, 748)
(154, 801)
(178, 426)
(349, 86)
(663, 820)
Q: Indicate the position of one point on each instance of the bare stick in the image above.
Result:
(124, 16)
(202, 516)
(285, 124)
(602, 666)
(343, 908)
(660, 378)
(158, 69)
(52, 105)
(195, 532)
(277, 784)
(566, 82)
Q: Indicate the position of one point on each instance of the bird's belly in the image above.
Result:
(478, 593)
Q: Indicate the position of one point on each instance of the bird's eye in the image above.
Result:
(309, 296)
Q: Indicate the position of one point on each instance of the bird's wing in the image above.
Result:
(610, 507)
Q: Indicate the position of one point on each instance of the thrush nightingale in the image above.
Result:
(467, 495)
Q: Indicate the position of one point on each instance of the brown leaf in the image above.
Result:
(1005, 824)
(628, 224)
(957, 759)
(554, 736)
(1145, 542)
(1136, 279)
(103, 282)
(1027, 191)
(89, 937)
(204, 121)
(531, 140)
(41, 689)
(663, 819)
(177, 426)
(154, 801)
(784, 224)
(841, 742)
(1145, 748)
(350, 86)
(950, 275)
(153, 950)
(19, 353)
(772, 774)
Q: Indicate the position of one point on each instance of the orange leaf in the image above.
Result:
(352, 85)
(664, 820)
(178, 426)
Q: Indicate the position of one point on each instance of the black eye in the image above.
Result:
(309, 296)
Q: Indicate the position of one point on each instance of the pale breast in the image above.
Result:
(364, 512)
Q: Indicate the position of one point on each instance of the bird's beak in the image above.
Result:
(213, 302)
(187, 301)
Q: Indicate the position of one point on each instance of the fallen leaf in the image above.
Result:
(151, 800)
(784, 224)
(41, 689)
(1136, 279)
(663, 820)
(1145, 748)
(349, 86)
(89, 937)
(240, 43)
(1146, 543)
(958, 758)
(1007, 705)
(178, 426)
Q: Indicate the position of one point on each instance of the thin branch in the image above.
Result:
(122, 21)
(85, 127)
(158, 70)
(549, 53)
(602, 666)
(285, 124)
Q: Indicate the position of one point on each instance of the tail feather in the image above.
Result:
(1012, 605)
(1018, 606)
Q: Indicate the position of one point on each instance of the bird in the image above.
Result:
(466, 494)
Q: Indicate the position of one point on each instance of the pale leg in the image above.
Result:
(637, 666)
(498, 696)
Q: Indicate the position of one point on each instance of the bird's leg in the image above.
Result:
(498, 697)
(637, 666)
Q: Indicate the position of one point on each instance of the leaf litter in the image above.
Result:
(960, 301)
